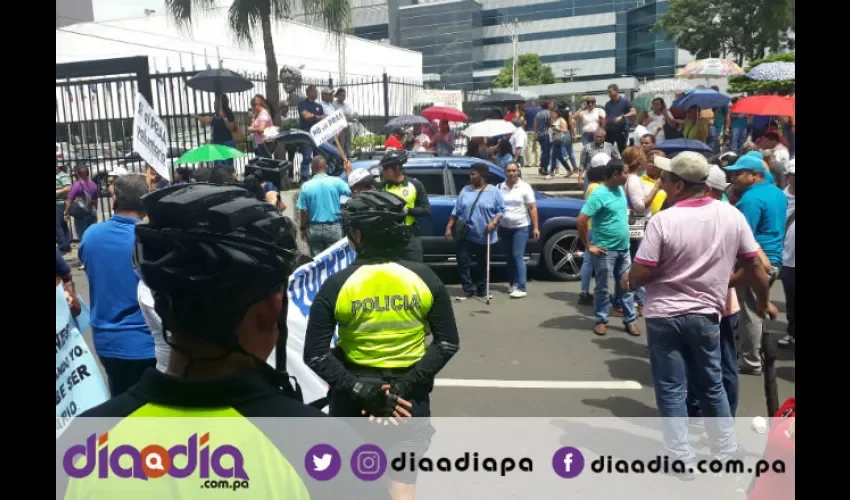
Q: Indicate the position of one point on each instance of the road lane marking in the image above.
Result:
(539, 384)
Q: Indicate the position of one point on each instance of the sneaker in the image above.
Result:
(786, 342)
(518, 294)
(749, 370)
(585, 299)
(548, 177)
(511, 289)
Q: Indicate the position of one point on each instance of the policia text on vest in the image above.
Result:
(386, 303)
(416, 201)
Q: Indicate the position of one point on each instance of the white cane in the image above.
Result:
(488, 270)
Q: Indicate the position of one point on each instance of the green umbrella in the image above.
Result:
(210, 152)
(643, 103)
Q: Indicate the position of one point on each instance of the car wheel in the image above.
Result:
(563, 254)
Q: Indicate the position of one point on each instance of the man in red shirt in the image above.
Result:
(394, 140)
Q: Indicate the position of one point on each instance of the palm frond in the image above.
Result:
(244, 17)
(332, 15)
(182, 11)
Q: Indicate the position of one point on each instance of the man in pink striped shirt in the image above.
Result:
(685, 261)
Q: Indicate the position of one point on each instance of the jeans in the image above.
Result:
(261, 151)
(63, 237)
(322, 236)
(226, 163)
(556, 156)
(789, 278)
(306, 158)
(472, 280)
(728, 367)
(124, 373)
(545, 149)
(569, 151)
(614, 264)
(586, 268)
(640, 293)
(678, 346)
(738, 138)
(514, 240)
(713, 140)
(83, 223)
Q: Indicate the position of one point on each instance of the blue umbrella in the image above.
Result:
(674, 146)
(773, 71)
(703, 98)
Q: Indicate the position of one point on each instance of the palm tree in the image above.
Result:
(247, 17)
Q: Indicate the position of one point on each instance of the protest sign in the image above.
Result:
(79, 384)
(150, 137)
(304, 284)
(329, 127)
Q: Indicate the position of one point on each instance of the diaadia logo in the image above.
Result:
(154, 461)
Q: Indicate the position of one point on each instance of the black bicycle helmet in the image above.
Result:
(379, 216)
(208, 252)
(393, 158)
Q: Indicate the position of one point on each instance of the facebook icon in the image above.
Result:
(568, 462)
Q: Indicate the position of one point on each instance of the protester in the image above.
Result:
(532, 152)
(661, 121)
(310, 112)
(476, 216)
(788, 272)
(63, 187)
(738, 127)
(559, 133)
(596, 147)
(695, 127)
(261, 119)
(518, 141)
(607, 209)
(763, 206)
(420, 140)
(520, 213)
(641, 123)
(591, 118)
(618, 111)
(121, 337)
(688, 253)
(394, 140)
(350, 117)
(319, 205)
(503, 154)
(223, 124)
(595, 177)
(361, 180)
(327, 101)
(542, 123)
(82, 201)
(647, 143)
(720, 126)
(444, 139)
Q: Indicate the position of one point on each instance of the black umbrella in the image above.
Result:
(219, 81)
(407, 121)
(506, 98)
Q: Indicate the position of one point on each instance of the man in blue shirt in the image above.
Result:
(319, 205)
(542, 120)
(763, 205)
(618, 110)
(122, 339)
(310, 112)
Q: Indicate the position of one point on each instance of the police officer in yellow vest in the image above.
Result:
(383, 306)
(413, 193)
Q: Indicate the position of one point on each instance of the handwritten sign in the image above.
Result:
(150, 137)
(329, 127)
(79, 384)
(304, 284)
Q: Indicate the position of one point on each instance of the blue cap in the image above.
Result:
(757, 154)
(747, 162)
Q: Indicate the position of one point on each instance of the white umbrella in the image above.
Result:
(666, 86)
(490, 128)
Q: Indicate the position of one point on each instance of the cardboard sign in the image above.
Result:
(150, 137)
(329, 127)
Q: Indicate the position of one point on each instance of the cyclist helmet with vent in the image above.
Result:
(378, 216)
(393, 158)
(209, 253)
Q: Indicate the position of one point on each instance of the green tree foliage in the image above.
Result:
(531, 72)
(739, 84)
(247, 18)
(735, 29)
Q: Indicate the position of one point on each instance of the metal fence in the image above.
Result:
(95, 108)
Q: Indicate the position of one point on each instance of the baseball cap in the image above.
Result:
(118, 172)
(791, 164)
(358, 176)
(689, 166)
(747, 162)
(756, 154)
(717, 178)
(600, 160)
(327, 91)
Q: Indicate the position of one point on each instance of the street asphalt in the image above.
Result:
(537, 357)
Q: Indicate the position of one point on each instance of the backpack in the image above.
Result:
(81, 206)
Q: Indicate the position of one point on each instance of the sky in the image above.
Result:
(105, 10)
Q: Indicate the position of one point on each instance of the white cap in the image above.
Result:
(600, 160)
(791, 164)
(358, 176)
(717, 178)
(118, 172)
(688, 165)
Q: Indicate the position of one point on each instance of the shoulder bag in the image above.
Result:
(81, 206)
(461, 227)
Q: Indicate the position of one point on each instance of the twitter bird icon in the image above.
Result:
(322, 462)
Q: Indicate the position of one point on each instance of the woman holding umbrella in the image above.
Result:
(223, 124)
(444, 139)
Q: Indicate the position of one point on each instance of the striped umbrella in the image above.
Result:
(710, 68)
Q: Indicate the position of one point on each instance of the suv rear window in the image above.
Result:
(433, 182)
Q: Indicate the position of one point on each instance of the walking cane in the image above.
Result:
(488, 270)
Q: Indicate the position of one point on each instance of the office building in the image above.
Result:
(70, 12)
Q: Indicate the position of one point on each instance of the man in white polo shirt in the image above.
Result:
(685, 261)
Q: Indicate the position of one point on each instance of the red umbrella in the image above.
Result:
(444, 113)
(765, 105)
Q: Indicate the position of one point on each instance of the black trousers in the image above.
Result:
(619, 136)
(788, 277)
(124, 373)
(413, 250)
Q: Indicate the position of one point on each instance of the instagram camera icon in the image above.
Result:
(368, 462)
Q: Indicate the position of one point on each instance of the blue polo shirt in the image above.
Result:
(314, 107)
(760, 122)
(530, 113)
(613, 109)
(118, 327)
(320, 198)
(764, 205)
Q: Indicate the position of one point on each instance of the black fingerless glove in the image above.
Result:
(371, 398)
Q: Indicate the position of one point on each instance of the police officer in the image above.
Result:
(217, 261)
(413, 193)
(383, 307)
